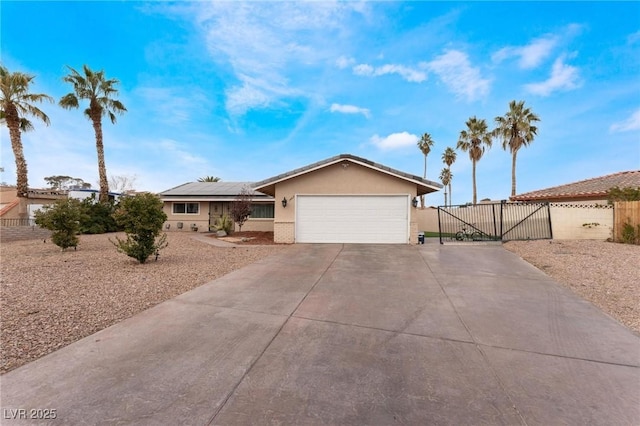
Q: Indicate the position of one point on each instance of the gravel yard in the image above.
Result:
(51, 298)
(606, 274)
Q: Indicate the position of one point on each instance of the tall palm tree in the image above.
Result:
(425, 144)
(209, 179)
(474, 140)
(449, 157)
(99, 91)
(16, 102)
(445, 178)
(516, 130)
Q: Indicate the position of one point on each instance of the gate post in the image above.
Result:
(439, 226)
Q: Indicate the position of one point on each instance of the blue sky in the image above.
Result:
(245, 91)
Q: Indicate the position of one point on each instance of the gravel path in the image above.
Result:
(51, 298)
(606, 274)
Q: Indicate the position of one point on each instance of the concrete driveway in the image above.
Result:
(350, 334)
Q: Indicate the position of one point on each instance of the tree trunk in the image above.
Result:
(424, 176)
(450, 195)
(513, 173)
(22, 183)
(475, 196)
(102, 168)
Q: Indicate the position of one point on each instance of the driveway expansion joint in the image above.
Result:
(277, 333)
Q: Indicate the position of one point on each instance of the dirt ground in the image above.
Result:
(250, 238)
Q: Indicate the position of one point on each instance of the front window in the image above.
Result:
(262, 211)
(186, 208)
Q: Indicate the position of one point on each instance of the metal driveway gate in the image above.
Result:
(495, 222)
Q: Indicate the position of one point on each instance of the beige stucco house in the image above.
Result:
(343, 199)
(195, 206)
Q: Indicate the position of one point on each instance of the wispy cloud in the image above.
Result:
(409, 74)
(530, 55)
(394, 141)
(169, 105)
(563, 78)
(456, 72)
(629, 124)
(345, 62)
(350, 109)
(264, 44)
(174, 149)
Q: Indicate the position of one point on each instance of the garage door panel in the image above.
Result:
(352, 219)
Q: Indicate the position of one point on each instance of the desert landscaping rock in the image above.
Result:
(52, 298)
(606, 274)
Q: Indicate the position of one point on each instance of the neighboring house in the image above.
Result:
(589, 191)
(343, 199)
(37, 198)
(197, 205)
(346, 199)
(83, 193)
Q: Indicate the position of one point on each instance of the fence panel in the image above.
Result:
(625, 212)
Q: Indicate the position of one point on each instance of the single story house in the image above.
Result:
(343, 199)
(589, 191)
(195, 206)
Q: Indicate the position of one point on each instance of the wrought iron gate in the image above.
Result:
(495, 222)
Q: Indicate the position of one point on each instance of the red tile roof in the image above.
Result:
(594, 188)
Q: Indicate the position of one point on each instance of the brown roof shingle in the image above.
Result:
(585, 189)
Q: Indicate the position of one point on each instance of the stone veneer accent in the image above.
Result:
(284, 232)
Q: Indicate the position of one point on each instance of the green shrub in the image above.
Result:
(63, 218)
(223, 223)
(98, 217)
(141, 217)
(629, 234)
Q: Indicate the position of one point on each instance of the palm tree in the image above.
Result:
(445, 177)
(209, 179)
(94, 87)
(15, 104)
(474, 140)
(424, 144)
(449, 157)
(516, 130)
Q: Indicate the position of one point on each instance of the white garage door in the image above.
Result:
(352, 219)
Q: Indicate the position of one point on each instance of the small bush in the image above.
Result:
(629, 234)
(141, 217)
(63, 218)
(223, 223)
(98, 217)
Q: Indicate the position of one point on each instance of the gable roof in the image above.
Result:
(424, 186)
(594, 188)
(210, 191)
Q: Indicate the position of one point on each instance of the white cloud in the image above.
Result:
(531, 55)
(394, 141)
(344, 62)
(629, 124)
(264, 45)
(457, 73)
(350, 109)
(409, 74)
(563, 77)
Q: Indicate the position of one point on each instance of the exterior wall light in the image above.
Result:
(414, 202)
(284, 202)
